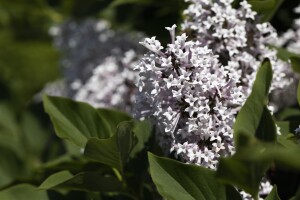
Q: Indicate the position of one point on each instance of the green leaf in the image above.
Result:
(285, 157)
(113, 151)
(297, 195)
(246, 168)
(23, 192)
(254, 113)
(273, 195)
(114, 117)
(243, 174)
(288, 140)
(289, 113)
(143, 131)
(295, 62)
(284, 127)
(56, 179)
(283, 53)
(123, 2)
(176, 181)
(84, 181)
(76, 121)
(266, 131)
(298, 93)
(265, 8)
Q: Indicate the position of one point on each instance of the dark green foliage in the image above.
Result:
(175, 180)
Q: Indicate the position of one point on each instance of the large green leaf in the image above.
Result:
(176, 181)
(289, 113)
(243, 174)
(266, 131)
(84, 181)
(285, 157)
(254, 118)
(273, 195)
(114, 117)
(76, 121)
(23, 192)
(246, 168)
(265, 8)
(113, 151)
(143, 131)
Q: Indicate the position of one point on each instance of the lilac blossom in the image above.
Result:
(98, 61)
(193, 88)
(191, 97)
(238, 38)
(290, 40)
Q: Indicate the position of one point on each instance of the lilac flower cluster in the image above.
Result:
(289, 40)
(98, 62)
(112, 83)
(192, 97)
(195, 86)
(237, 37)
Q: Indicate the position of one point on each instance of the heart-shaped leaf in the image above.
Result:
(76, 121)
(113, 151)
(176, 181)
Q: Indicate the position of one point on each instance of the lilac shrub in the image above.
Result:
(193, 88)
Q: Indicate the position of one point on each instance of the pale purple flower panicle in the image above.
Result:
(194, 87)
(98, 62)
(191, 97)
(238, 38)
(291, 41)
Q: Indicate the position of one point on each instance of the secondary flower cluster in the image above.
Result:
(237, 37)
(97, 62)
(112, 83)
(192, 97)
(291, 38)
